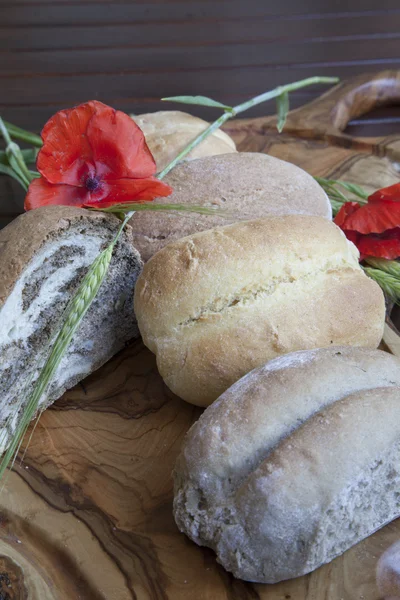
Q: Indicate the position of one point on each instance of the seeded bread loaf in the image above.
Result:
(246, 185)
(295, 463)
(44, 254)
(168, 132)
(215, 305)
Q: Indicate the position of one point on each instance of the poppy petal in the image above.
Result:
(129, 190)
(391, 193)
(119, 146)
(374, 218)
(348, 208)
(379, 247)
(66, 155)
(42, 193)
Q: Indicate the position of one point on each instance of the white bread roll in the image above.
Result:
(44, 255)
(220, 303)
(247, 185)
(294, 463)
(168, 132)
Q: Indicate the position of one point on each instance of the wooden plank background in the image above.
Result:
(57, 53)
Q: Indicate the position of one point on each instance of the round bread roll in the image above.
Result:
(215, 305)
(294, 464)
(168, 132)
(248, 185)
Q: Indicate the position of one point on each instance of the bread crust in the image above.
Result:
(168, 132)
(332, 478)
(23, 238)
(261, 471)
(44, 256)
(215, 305)
(246, 185)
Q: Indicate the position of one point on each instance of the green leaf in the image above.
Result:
(333, 188)
(14, 164)
(355, 189)
(29, 156)
(22, 134)
(199, 101)
(6, 170)
(282, 105)
(336, 206)
(17, 162)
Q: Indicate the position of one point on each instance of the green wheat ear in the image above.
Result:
(389, 283)
(389, 266)
(72, 318)
(334, 190)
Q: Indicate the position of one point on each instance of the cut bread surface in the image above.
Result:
(31, 313)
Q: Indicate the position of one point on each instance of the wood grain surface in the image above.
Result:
(87, 514)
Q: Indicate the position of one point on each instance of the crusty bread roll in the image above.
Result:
(215, 305)
(44, 254)
(295, 463)
(168, 132)
(247, 185)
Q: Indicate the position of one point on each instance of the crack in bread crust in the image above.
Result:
(219, 305)
(215, 305)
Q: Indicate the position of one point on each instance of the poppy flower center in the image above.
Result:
(92, 183)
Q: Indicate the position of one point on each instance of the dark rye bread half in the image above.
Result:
(44, 254)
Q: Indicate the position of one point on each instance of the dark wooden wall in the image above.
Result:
(57, 53)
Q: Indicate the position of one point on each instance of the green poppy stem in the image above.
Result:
(23, 135)
(16, 158)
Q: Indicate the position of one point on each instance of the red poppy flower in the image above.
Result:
(374, 227)
(94, 156)
(386, 245)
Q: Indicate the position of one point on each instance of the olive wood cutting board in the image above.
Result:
(87, 515)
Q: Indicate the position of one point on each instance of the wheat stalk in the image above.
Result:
(389, 266)
(390, 284)
(72, 317)
(333, 188)
(153, 206)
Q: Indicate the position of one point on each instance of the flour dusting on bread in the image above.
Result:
(294, 463)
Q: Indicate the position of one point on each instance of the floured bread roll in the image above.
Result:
(168, 132)
(248, 185)
(44, 254)
(217, 304)
(295, 463)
